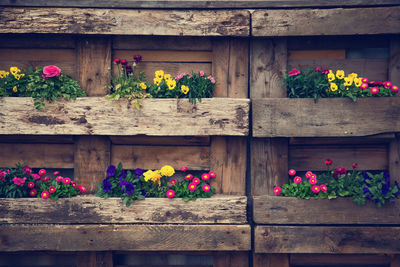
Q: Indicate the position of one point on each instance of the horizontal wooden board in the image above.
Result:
(128, 21)
(43, 139)
(312, 158)
(142, 237)
(290, 210)
(38, 155)
(373, 69)
(326, 239)
(336, 42)
(177, 4)
(37, 54)
(154, 157)
(37, 41)
(172, 43)
(374, 139)
(285, 117)
(99, 116)
(90, 209)
(337, 21)
(316, 54)
(339, 260)
(165, 55)
(161, 140)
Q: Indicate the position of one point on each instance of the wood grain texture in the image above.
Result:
(94, 59)
(174, 43)
(317, 54)
(38, 155)
(161, 140)
(91, 158)
(218, 209)
(374, 139)
(165, 55)
(346, 259)
(269, 164)
(394, 60)
(270, 260)
(154, 157)
(337, 21)
(394, 159)
(43, 139)
(95, 259)
(288, 210)
(368, 157)
(140, 237)
(237, 259)
(178, 4)
(326, 239)
(268, 63)
(125, 22)
(220, 63)
(99, 116)
(328, 117)
(395, 261)
(31, 41)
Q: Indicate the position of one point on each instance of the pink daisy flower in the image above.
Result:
(313, 181)
(82, 188)
(42, 172)
(66, 180)
(387, 84)
(374, 90)
(212, 174)
(45, 194)
(73, 184)
(189, 177)
(47, 178)
(364, 86)
(184, 168)
(59, 178)
(56, 173)
(192, 187)
(170, 193)
(395, 89)
(277, 190)
(323, 188)
(297, 179)
(172, 181)
(31, 184)
(52, 189)
(196, 180)
(206, 188)
(308, 174)
(315, 189)
(292, 172)
(205, 177)
(33, 192)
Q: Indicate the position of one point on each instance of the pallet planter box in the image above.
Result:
(88, 223)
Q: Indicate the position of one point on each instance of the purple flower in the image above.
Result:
(368, 197)
(122, 184)
(144, 193)
(129, 69)
(110, 171)
(376, 200)
(138, 172)
(366, 190)
(106, 186)
(385, 189)
(122, 175)
(129, 188)
(386, 176)
(137, 58)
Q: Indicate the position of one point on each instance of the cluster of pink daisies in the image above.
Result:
(312, 179)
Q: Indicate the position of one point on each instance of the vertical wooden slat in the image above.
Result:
(91, 159)
(93, 60)
(268, 60)
(237, 259)
(228, 154)
(395, 261)
(270, 260)
(104, 259)
(394, 60)
(95, 259)
(394, 159)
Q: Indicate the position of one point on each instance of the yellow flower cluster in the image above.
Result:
(143, 85)
(185, 89)
(156, 175)
(14, 71)
(351, 79)
(160, 76)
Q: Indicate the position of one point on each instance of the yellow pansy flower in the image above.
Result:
(157, 81)
(171, 84)
(143, 85)
(167, 77)
(353, 75)
(331, 76)
(340, 74)
(15, 89)
(357, 82)
(348, 81)
(3, 74)
(14, 70)
(333, 87)
(184, 89)
(159, 74)
(167, 171)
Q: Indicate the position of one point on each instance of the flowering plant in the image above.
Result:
(327, 83)
(127, 83)
(137, 184)
(47, 83)
(339, 182)
(23, 182)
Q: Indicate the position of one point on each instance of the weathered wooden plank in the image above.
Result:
(178, 4)
(368, 157)
(326, 239)
(218, 209)
(95, 259)
(174, 43)
(320, 21)
(161, 140)
(237, 259)
(374, 69)
(43, 139)
(140, 237)
(154, 157)
(316, 54)
(394, 159)
(269, 164)
(99, 116)
(328, 117)
(290, 210)
(38, 155)
(270, 260)
(238, 68)
(395, 261)
(37, 54)
(94, 59)
(91, 158)
(125, 21)
(37, 41)
(394, 61)
(373, 139)
(268, 63)
(323, 259)
(165, 55)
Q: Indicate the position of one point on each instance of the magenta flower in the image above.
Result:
(374, 90)
(42, 172)
(117, 60)
(297, 179)
(364, 86)
(172, 181)
(325, 71)
(323, 188)
(205, 177)
(33, 192)
(201, 73)
(309, 174)
(294, 72)
(339, 171)
(316, 189)
(45, 194)
(292, 172)
(170, 193)
(73, 184)
(395, 89)
(82, 188)
(192, 187)
(212, 174)
(59, 178)
(66, 180)
(184, 168)
(328, 161)
(277, 190)
(47, 178)
(318, 68)
(56, 173)
(354, 165)
(196, 181)
(188, 177)
(206, 188)
(51, 71)
(31, 184)
(313, 181)
(52, 189)
(387, 85)
(35, 176)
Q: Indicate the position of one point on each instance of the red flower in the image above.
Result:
(294, 72)
(325, 71)
(31, 184)
(33, 192)
(317, 68)
(339, 171)
(124, 62)
(137, 58)
(117, 60)
(328, 161)
(354, 165)
(184, 168)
